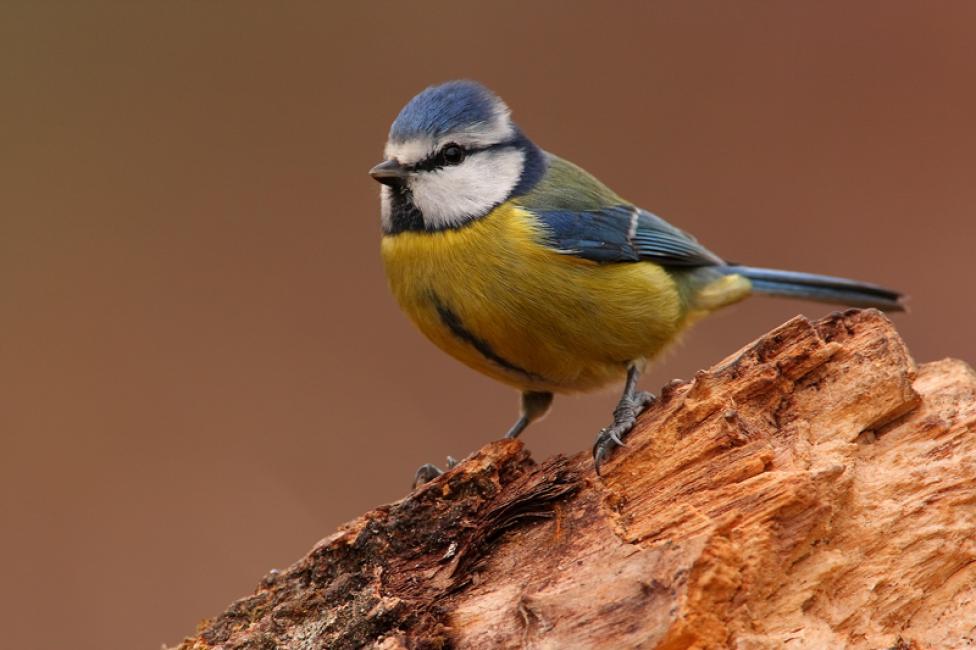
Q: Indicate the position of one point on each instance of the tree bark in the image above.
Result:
(813, 490)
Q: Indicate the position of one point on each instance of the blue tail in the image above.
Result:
(821, 288)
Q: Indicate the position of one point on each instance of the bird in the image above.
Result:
(530, 270)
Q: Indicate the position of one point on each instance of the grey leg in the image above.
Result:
(534, 406)
(632, 403)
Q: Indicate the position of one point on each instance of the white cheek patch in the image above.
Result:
(449, 196)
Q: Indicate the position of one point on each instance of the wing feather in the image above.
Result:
(585, 218)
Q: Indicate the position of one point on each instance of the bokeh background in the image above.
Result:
(201, 370)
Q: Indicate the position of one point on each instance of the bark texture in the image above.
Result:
(814, 490)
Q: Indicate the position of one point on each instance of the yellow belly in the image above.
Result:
(490, 295)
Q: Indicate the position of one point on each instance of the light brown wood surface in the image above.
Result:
(814, 490)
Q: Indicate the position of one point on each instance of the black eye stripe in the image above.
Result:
(433, 161)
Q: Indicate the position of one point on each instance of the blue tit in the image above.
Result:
(528, 269)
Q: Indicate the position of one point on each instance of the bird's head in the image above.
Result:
(453, 154)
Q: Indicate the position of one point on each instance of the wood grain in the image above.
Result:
(813, 490)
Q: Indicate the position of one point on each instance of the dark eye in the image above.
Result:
(452, 154)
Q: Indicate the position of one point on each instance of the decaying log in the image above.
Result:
(814, 490)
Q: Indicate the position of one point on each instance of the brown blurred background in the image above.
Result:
(201, 370)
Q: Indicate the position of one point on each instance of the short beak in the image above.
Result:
(388, 172)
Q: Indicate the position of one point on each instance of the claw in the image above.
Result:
(624, 418)
(614, 435)
(599, 453)
(428, 472)
(425, 474)
(608, 440)
(534, 406)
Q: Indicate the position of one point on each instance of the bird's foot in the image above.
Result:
(624, 418)
(428, 472)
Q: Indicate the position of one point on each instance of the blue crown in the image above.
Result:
(447, 108)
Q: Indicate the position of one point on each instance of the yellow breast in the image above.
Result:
(493, 296)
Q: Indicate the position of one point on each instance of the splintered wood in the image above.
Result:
(814, 490)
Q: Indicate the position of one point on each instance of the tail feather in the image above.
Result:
(821, 288)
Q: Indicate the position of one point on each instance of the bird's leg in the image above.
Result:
(632, 403)
(534, 405)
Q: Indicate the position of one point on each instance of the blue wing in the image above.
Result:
(623, 233)
(584, 217)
